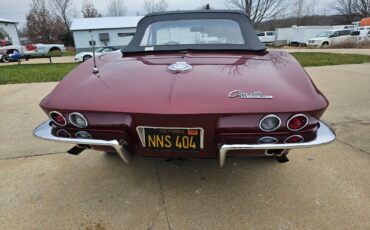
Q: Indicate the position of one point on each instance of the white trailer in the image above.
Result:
(283, 36)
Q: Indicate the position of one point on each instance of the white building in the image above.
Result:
(106, 31)
(8, 32)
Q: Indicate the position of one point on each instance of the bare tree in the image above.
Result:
(151, 6)
(298, 9)
(346, 8)
(116, 8)
(301, 9)
(89, 10)
(363, 8)
(259, 10)
(42, 26)
(63, 9)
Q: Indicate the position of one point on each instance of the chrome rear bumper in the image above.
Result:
(44, 132)
(324, 136)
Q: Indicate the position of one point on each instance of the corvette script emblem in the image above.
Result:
(244, 95)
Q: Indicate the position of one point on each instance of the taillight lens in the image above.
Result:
(83, 135)
(78, 120)
(270, 123)
(57, 118)
(267, 140)
(294, 139)
(297, 122)
(63, 133)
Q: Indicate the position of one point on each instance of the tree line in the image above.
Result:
(353, 10)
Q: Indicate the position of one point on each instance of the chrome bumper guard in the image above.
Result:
(43, 132)
(324, 136)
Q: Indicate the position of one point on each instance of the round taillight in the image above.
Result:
(78, 120)
(57, 118)
(294, 139)
(63, 133)
(270, 123)
(83, 135)
(297, 122)
(267, 140)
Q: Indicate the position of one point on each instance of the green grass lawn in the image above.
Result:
(69, 53)
(323, 59)
(26, 73)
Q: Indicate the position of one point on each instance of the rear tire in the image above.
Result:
(5, 58)
(55, 51)
(86, 57)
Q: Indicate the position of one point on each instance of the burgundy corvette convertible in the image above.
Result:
(196, 84)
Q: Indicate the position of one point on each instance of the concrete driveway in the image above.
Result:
(42, 187)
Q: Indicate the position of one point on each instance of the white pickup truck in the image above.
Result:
(6, 52)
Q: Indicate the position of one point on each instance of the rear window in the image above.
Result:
(193, 32)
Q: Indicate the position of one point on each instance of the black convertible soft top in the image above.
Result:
(252, 43)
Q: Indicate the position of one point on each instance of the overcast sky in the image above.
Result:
(17, 9)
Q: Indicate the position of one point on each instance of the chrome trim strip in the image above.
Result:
(325, 135)
(267, 116)
(65, 120)
(43, 131)
(140, 130)
(297, 115)
(70, 120)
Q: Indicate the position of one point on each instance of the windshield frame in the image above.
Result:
(252, 43)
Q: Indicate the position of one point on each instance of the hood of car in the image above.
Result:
(188, 83)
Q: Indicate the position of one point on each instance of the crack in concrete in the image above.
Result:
(35, 155)
(347, 122)
(162, 195)
(352, 146)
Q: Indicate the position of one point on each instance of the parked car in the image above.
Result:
(330, 38)
(35, 50)
(190, 84)
(7, 56)
(267, 37)
(84, 56)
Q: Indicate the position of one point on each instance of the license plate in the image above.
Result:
(172, 139)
